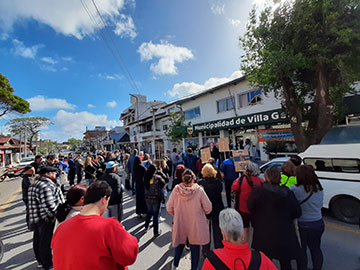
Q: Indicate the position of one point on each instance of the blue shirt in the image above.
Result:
(131, 163)
(311, 209)
(228, 168)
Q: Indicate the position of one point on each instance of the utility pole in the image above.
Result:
(137, 120)
(154, 130)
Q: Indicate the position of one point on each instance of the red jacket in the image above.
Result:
(93, 242)
(245, 191)
(231, 253)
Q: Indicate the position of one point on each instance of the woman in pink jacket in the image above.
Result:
(189, 205)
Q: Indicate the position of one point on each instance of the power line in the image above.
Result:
(116, 47)
(104, 38)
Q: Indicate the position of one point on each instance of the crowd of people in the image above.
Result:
(72, 229)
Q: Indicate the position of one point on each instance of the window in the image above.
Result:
(165, 127)
(251, 98)
(334, 164)
(225, 104)
(193, 113)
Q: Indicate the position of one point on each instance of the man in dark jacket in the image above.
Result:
(190, 160)
(37, 163)
(72, 169)
(230, 175)
(115, 208)
(131, 170)
(79, 168)
(29, 171)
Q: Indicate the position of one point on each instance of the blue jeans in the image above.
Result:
(310, 236)
(153, 208)
(195, 255)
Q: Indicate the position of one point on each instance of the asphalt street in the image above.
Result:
(340, 242)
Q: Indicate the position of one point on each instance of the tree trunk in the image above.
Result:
(295, 112)
(321, 119)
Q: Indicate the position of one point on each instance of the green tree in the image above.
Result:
(73, 143)
(177, 129)
(8, 101)
(29, 126)
(308, 53)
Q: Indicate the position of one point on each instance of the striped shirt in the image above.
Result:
(44, 198)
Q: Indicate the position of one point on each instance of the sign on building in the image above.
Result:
(266, 135)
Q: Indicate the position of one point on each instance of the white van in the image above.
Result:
(338, 169)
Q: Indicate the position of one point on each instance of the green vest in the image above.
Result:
(287, 181)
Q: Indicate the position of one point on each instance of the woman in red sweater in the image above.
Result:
(242, 188)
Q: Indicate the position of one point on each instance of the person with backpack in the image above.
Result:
(236, 253)
(273, 209)
(242, 188)
(154, 195)
(310, 195)
(230, 175)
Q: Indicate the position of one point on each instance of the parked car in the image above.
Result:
(26, 161)
(274, 163)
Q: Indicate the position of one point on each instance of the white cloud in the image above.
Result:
(49, 60)
(114, 76)
(189, 88)
(168, 55)
(21, 50)
(111, 104)
(67, 17)
(68, 59)
(48, 68)
(235, 22)
(125, 27)
(217, 8)
(41, 103)
(73, 124)
(91, 106)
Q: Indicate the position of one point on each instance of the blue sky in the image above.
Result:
(53, 54)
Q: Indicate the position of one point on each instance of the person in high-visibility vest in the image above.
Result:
(288, 174)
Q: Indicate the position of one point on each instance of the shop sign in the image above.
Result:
(8, 152)
(269, 117)
(266, 135)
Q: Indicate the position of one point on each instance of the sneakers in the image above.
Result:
(161, 219)
(157, 234)
(39, 266)
(173, 267)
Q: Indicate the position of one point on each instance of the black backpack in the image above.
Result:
(154, 191)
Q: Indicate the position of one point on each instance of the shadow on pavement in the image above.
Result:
(20, 259)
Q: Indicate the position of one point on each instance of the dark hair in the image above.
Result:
(137, 161)
(72, 197)
(149, 174)
(174, 149)
(189, 150)
(135, 152)
(288, 168)
(96, 191)
(51, 157)
(37, 157)
(188, 176)
(306, 176)
(146, 157)
(296, 160)
(273, 175)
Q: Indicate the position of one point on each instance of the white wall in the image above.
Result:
(208, 105)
